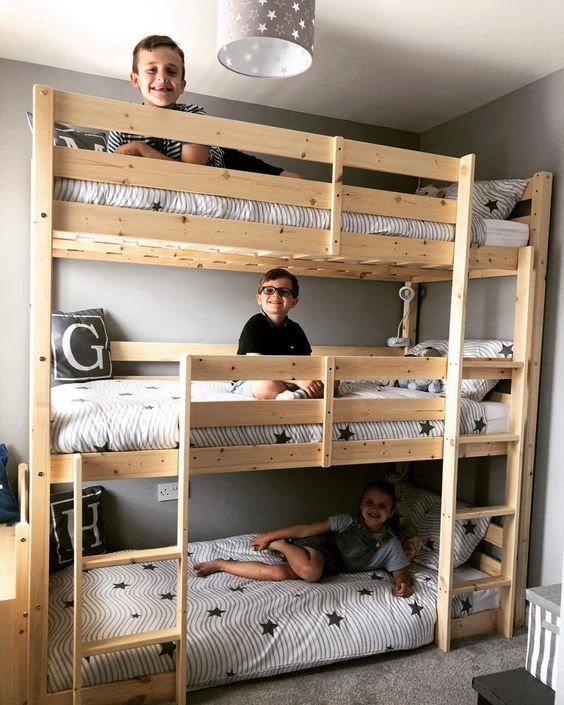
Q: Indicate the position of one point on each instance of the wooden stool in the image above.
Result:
(516, 687)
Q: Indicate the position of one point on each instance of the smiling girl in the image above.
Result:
(343, 543)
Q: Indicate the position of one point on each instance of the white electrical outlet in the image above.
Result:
(167, 491)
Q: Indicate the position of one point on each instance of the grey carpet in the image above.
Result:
(424, 676)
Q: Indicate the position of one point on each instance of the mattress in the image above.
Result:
(238, 628)
(506, 233)
(122, 415)
(125, 196)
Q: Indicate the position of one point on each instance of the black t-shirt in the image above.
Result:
(234, 159)
(260, 335)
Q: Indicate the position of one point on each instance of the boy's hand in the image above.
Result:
(291, 174)
(261, 542)
(313, 388)
(403, 590)
(140, 149)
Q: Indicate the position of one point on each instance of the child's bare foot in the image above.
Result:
(208, 568)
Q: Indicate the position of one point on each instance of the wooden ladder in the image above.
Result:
(501, 573)
(179, 553)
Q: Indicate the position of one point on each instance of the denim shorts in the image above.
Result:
(244, 387)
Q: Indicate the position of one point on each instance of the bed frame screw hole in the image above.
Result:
(40, 473)
(41, 358)
(44, 215)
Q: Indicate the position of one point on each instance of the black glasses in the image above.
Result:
(282, 291)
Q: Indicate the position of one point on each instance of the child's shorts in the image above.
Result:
(325, 546)
(244, 387)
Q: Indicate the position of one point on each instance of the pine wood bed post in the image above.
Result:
(336, 196)
(452, 403)
(513, 472)
(40, 363)
(22, 585)
(539, 229)
(182, 527)
(410, 316)
(77, 587)
(328, 411)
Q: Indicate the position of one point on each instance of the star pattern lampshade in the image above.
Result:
(266, 38)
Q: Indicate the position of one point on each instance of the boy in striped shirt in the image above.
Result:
(158, 72)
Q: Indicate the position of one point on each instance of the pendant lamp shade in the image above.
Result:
(266, 38)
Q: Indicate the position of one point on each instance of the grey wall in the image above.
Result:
(515, 136)
(157, 303)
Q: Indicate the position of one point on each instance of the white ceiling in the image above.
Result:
(397, 63)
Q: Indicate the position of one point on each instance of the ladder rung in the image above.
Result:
(494, 535)
(489, 438)
(501, 510)
(495, 581)
(131, 641)
(105, 560)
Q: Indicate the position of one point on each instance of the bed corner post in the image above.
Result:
(541, 185)
(22, 584)
(40, 363)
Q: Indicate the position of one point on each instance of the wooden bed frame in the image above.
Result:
(71, 230)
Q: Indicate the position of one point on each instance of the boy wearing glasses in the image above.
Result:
(271, 332)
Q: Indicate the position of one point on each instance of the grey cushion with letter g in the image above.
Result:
(80, 345)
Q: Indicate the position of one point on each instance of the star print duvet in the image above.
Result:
(125, 196)
(122, 415)
(237, 628)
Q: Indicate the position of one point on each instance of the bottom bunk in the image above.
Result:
(240, 629)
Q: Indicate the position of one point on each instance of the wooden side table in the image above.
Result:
(7, 613)
(517, 687)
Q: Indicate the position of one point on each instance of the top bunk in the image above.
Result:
(124, 211)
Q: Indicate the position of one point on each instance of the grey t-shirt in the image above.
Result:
(389, 556)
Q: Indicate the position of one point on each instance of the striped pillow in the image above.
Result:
(493, 199)
(423, 509)
(471, 388)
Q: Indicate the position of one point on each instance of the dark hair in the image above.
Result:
(155, 41)
(388, 489)
(279, 273)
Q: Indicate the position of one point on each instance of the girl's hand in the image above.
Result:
(402, 583)
(261, 542)
(411, 546)
(403, 590)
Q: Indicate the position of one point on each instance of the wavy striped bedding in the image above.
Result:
(237, 628)
(120, 415)
(126, 196)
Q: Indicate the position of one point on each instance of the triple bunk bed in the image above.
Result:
(328, 242)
